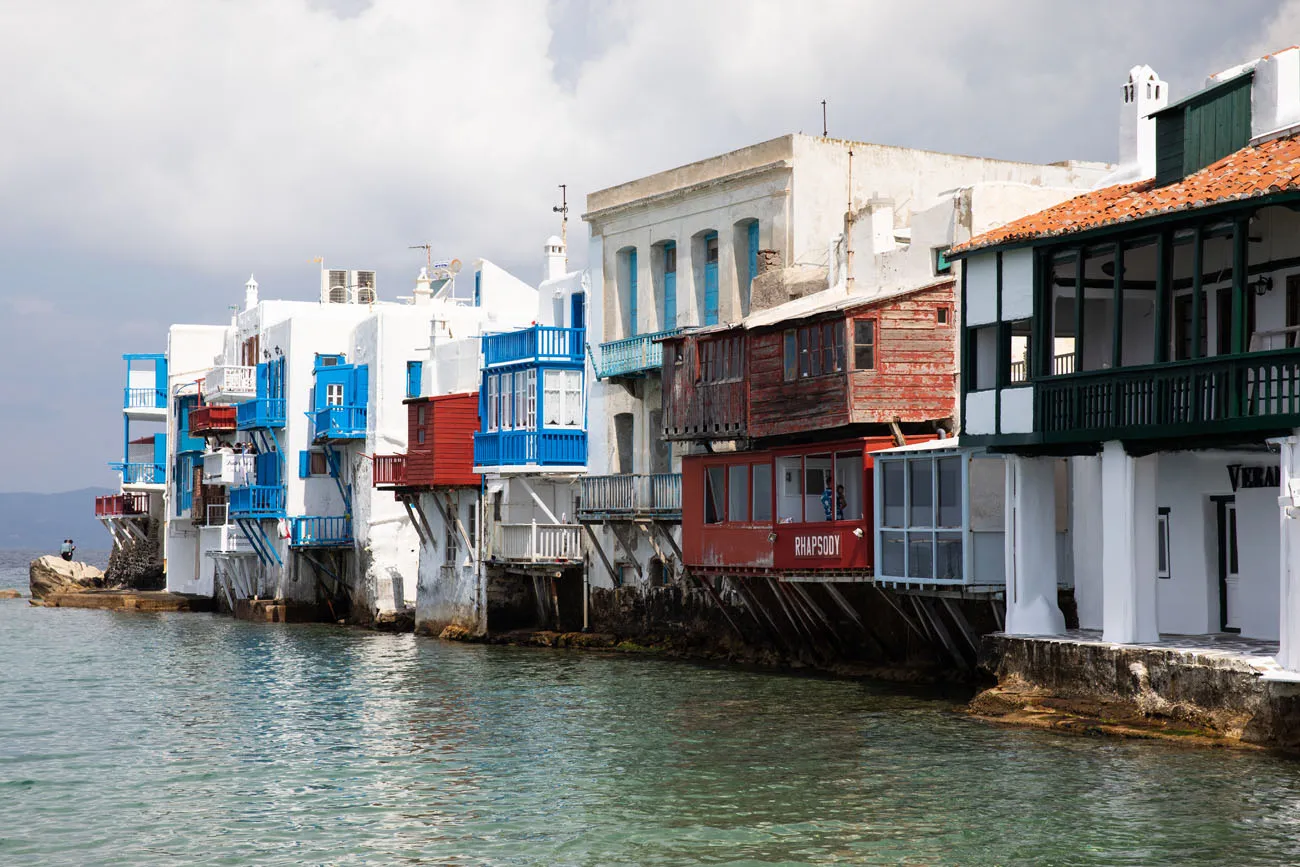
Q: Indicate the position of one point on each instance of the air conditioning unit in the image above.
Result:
(335, 288)
(364, 281)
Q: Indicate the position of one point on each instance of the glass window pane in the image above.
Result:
(762, 492)
(804, 361)
(791, 355)
(949, 491)
(987, 493)
(892, 492)
(714, 491)
(819, 489)
(891, 555)
(920, 487)
(920, 560)
(864, 344)
(848, 486)
(947, 556)
(789, 493)
(738, 493)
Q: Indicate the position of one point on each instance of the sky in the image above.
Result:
(155, 153)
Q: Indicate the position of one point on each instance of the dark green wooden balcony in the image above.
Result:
(1250, 392)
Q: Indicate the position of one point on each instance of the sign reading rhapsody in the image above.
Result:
(1254, 477)
(820, 545)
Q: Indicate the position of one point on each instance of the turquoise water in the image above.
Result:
(163, 739)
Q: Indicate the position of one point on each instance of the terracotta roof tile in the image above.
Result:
(1259, 170)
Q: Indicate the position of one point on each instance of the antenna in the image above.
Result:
(823, 118)
(428, 254)
(563, 210)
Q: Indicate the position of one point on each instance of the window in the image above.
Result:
(451, 546)
(419, 415)
(982, 347)
(471, 528)
(714, 493)
(941, 263)
(530, 403)
(921, 500)
(562, 398)
(1016, 349)
(762, 502)
(942, 315)
(813, 350)
(507, 401)
(738, 493)
(492, 417)
(720, 359)
(791, 355)
(419, 436)
(334, 394)
(521, 400)
(670, 286)
(1162, 543)
(312, 463)
(864, 344)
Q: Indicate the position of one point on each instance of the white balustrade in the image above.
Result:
(230, 384)
(535, 542)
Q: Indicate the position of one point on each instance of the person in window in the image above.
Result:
(67, 549)
(828, 500)
(841, 503)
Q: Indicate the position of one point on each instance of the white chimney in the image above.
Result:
(557, 259)
(1144, 94)
(1275, 93)
(250, 293)
(880, 225)
(423, 287)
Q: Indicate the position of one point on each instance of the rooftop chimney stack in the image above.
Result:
(1275, 94)
(250, 293)
(556, 260)
(1144, 94)
(423, 288)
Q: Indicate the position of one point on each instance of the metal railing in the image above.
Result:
(537, 543)
(631, 494)
(320, 531)
(257, 501)
(340, 423)
(218, 514)
(536, 343)
(517, 448)
(260, 412)
(140, 473)
(388, 470)
(230, 383)
(121, 505)
(632, 355)
(144, 398)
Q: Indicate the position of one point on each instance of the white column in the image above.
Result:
(1128, 556)
(1289, 556)
(1086, 539)
(1032, 607)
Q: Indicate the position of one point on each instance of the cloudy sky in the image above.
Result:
(155, 152)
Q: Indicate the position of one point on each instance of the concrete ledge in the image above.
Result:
(128, 600)
(281, 611)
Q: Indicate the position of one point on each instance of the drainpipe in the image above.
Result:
(848, 234)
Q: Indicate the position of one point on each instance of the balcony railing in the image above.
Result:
(260, 412)
(659, 494)
(1205, 396)
(230, 384)
(228, 468)
(1061, 365)
(218, 514)
(211, 419)
(320, 531)
(537, 543)
(519, 448)
(632, 355)
(121, 505)
(538, 343)
(144, 398)
(140, 474)
(257, 501)
(388, 470)
(226, 539)
(340, 423)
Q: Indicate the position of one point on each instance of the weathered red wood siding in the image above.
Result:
(916, 361)
(778, 406)
(446, 458)
(694, 409)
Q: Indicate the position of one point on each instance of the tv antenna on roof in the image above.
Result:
(823, 118)
(428, 253)
(563, 210)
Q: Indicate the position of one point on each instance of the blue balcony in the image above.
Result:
(257, 501)
(633, 356)
(144, 398)
(140, 473)
(530, 448)
(261, 412)
(340, 423)
(538, 343)
(320, 531)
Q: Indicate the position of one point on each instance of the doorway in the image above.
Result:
(1229, 577)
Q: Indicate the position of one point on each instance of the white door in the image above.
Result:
(1231, 578)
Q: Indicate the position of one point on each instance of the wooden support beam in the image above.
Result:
(600, 552)
(668, 537)
(536, 499)
(785, 608)
(894, 605)
(945, 638)
(650, 537)
(847, 608)
(922, 619)
(803, 594)
(997, 613)
(717, 600)
(760, 613)
(627, 548)
(963, 625)
(415, 521)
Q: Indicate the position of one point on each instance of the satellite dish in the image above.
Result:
(454, 266)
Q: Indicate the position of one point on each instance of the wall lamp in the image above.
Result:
(1263, 283)
(857, 531)
(771, 537)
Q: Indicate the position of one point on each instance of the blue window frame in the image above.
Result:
(414, 372)
(753, 250)
(670, 286)
(711, 278)
(631, 294)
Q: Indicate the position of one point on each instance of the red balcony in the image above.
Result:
(389, 471)
(121, 505)
(212, 419)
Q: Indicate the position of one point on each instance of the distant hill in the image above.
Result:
(41, 521)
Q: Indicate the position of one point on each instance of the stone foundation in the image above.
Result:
(127, 600)
(281, 611)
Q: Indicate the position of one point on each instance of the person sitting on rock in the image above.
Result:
(66, 549)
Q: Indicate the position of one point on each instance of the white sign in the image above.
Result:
(821, 545)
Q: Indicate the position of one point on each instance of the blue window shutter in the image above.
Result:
(753, 250)
(478, 288)
(578, 311)
(361, 385)
(414, 371)
(670, 287)
(304, 464)
(710, 285)
(631, 290)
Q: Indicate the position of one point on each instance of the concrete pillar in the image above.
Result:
(1129, 527)
(1086, 539)
(1289, 555)
(1032, 607)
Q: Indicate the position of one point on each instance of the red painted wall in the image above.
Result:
(446, 458)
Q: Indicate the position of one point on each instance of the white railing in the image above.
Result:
(225, 539)
(533, 543)
(228, 468)
(659, 493)
(230, 384)
(1277, 338)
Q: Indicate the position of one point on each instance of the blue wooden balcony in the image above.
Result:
(144, 398)
(538, 343)
(257, 501)
(320, 531)
(340, 423)
(140, 473)
(633, 356)
(261, 412)
(530, 448)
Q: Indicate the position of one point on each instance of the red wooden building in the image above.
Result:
(844, 364)
(440, 446)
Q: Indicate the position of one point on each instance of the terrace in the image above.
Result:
(656, 495)
(537, 543)
(633, 356)
(339, 423)
(534, 344)
(260, 413)
(212, 420)
(530, 448)
(230, 384)
(122, 505)
(320, 531)
(257, 502)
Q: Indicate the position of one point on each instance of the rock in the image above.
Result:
(50, 574)
(7, 593)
